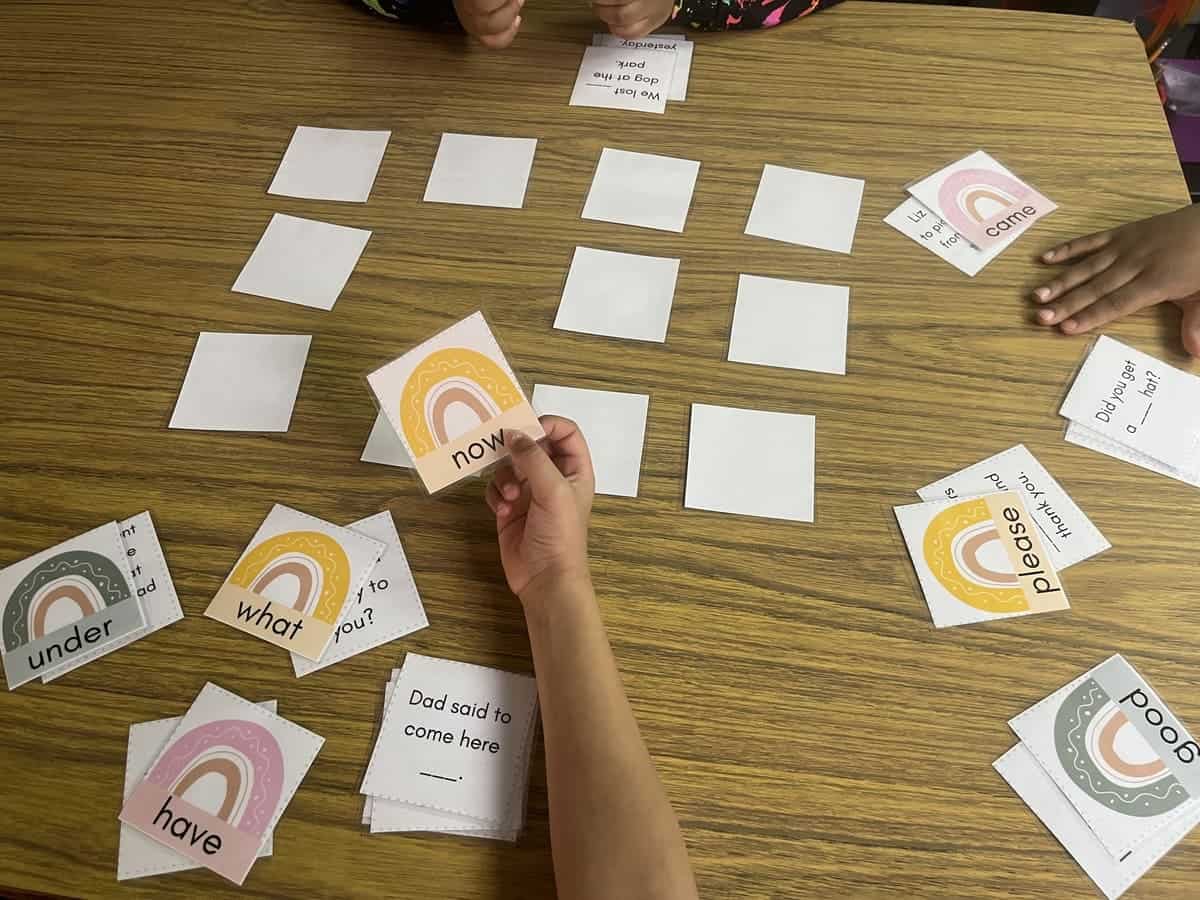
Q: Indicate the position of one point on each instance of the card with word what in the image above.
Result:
(980, 559)
(453, 739)
(934, 233)
(450, 399)
(66, 602)
(386, 607)
(1134, 399)
(137, 855)
(982, 200)
(290, 586)
(151, 582)
(1117, 753)
(624, 78)
(1068, 534)
(217, 790)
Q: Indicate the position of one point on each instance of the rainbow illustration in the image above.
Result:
(953, 549)
(971, 198)
(455, 376)
(87, 580)
(316, 561)
(244, 755)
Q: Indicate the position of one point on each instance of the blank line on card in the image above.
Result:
(441, 777)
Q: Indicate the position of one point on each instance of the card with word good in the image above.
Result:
(1136, 400)
(453, 738)
(1068, 534)
(680, 46)
(790, 324)
(1117, 753)
(217, 790)
(641, 189)
(330, 164)
(137, 855)
(1112, 876)
(980, 559)
(63, 603)
(1084, 437)
(386, 607)
(481, 170)
(290, 586)
(934, 233)
(811, 209)
(451, 399)
(152, 585)
(623, 295)
(624, 78)
(982, 200)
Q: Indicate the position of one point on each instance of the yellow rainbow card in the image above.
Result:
(291, 584)
(449, 401)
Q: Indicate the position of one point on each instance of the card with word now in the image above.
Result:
(450, 400)
(980, 559)
(216, 791)
(455, 742)
(291, 584)
(1124, 771)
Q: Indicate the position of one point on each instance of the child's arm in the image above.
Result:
(494, 23)
(637, 18)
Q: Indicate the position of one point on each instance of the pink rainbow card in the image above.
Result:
(218, 788)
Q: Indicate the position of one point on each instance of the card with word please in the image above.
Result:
(290, 586)
(1117, 754)
(216, 791)
(979, 559)
(62, 604)
(450, 400)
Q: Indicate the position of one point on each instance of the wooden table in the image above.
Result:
(817, 736)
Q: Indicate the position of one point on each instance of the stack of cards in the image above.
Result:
(453, 751)
(634, 74)
(969, 211)
(1109, 770)
(220, 779)
(84, 598)
(1133, 407)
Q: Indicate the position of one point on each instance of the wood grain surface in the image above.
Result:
(816, 735)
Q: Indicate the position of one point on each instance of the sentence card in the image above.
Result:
(480, 170)
(934, 233)
(452, 739)
(152, 584)
(641, 189)
(790, 324)
(624, 295)
(681, 48)
(450, 399)
(217, 790)
(65, 602)
(980, 559)
(1085, 437)
(1068, 534)
(1115, 751)
(330, 164)
(386, 607)
(1136, 400)
(290, 585)
(811, 209)
(137, 855)
(1113, 877)
(384, 446)
(624, 78)
(982, 200)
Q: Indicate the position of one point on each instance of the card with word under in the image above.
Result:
(1117, 754)
(982, 200)
(450, 400)
(454, 739)
(980, 559)
(216, 791)
(290, 586)
(63, 603)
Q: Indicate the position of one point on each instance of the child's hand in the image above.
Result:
(494, 23)
(542, 501)
(1121, 271)
(633, 18)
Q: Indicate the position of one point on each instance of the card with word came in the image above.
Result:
(982, 200)
(63, 603)
(216, 791)
(980, 559)
(292, 582)
(1119, 756)
(386, 607)
(450, 399)
(453, 739)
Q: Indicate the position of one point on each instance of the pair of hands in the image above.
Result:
(495, 23)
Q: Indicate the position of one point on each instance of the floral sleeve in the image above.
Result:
(430, 13)
(723, 15)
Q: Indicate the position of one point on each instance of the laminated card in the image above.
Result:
(291, 584)
(449, 401)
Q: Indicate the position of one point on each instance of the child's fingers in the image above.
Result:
(1189, 328)
(1126, 299)
(1086, 294)
(620, 15)
(1077, 247)
(638, 29)
(1076, 275)
(503, 39)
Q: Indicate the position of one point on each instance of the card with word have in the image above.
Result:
(1119, 756)
(290, 586)
(450, 399)
(62, 604)
(980, 559)
(218, 788)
